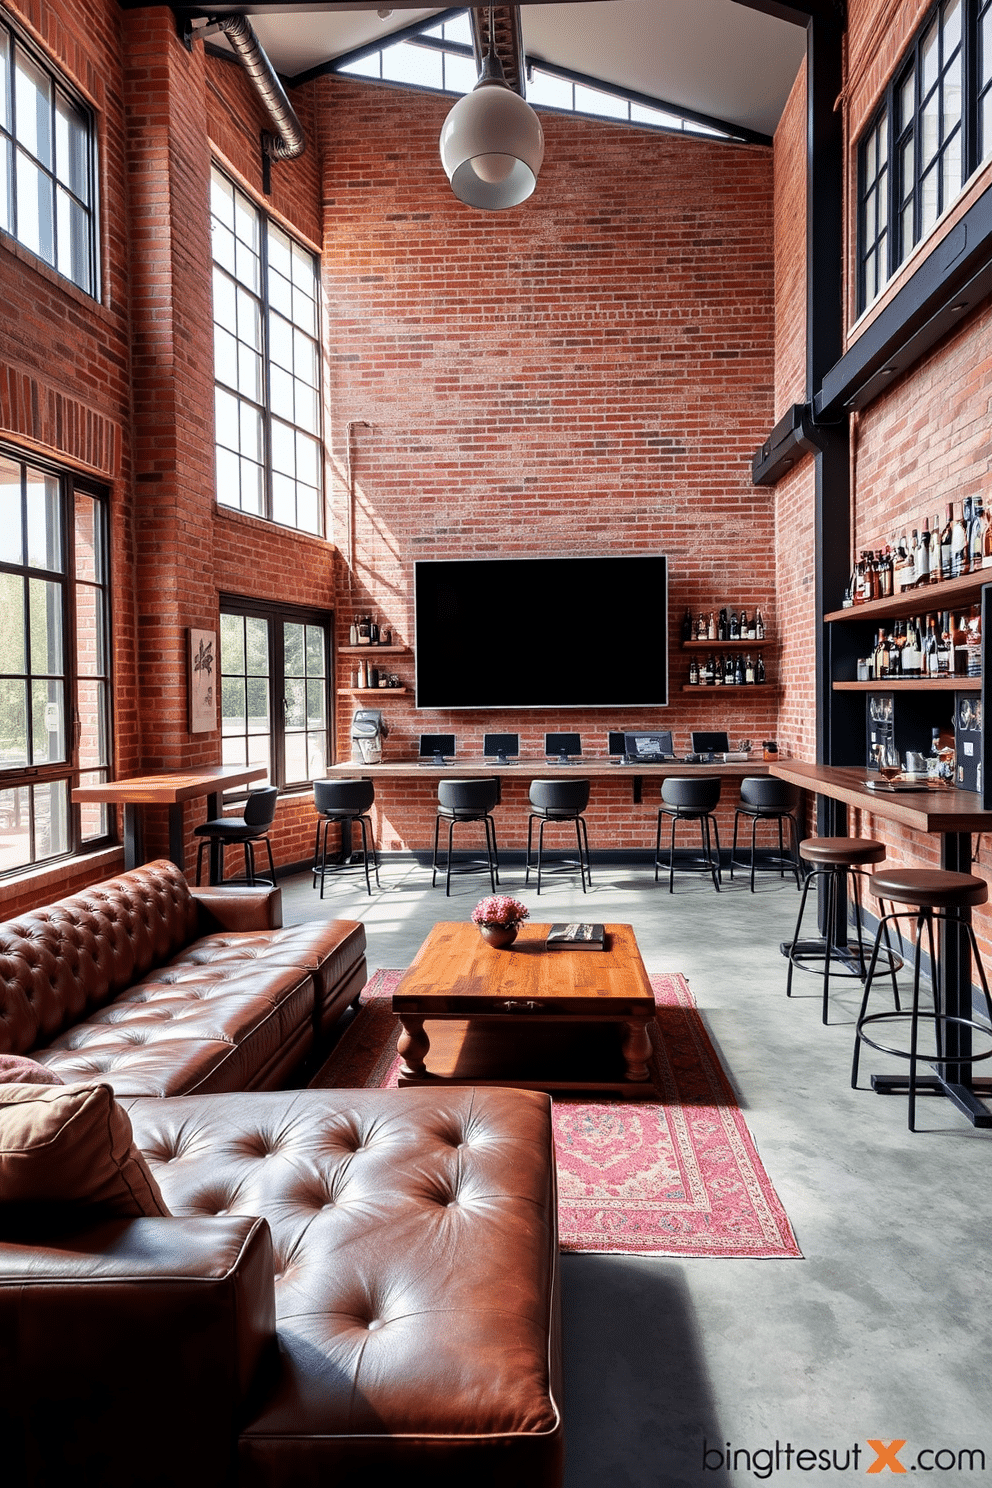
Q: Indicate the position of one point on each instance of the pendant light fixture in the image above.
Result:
(492, 143)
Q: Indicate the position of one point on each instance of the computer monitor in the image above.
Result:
(710, 741)
(617, 743)
(500, 747)
(650, 747)
(560, 746)
(435, 746)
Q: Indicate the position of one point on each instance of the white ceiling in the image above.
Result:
(712, 56)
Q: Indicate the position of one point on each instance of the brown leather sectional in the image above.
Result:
(349, 1284)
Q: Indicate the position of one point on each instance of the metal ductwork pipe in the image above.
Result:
(288, 141)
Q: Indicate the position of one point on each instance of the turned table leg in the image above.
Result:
(636, 1046)
(412, 1046)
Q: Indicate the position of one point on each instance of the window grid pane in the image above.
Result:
(47, 165)
(984, 76)
(266, 364)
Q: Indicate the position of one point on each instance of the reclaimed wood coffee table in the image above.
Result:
(526, 1016)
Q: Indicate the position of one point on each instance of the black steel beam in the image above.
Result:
(794, 435)
(953, 279)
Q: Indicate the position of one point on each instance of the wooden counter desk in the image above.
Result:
(953, 816)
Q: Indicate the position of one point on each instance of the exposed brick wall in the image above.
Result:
(790, 250)
(589, 372)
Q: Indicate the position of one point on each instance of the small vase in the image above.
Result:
(499, 936)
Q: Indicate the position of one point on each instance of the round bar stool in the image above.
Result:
(558, 801)
(695, 798)
(764, 798)
(253, 826)
(933, 895)
(834, 860)
(343, 801)
(467, 801)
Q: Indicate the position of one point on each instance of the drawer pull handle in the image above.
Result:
(527, 1006)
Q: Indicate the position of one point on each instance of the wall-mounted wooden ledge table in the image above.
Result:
(538, 768)
(172, 789)
(953, 816)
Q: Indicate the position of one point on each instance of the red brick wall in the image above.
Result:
(590, 372)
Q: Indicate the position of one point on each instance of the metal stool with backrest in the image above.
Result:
(694, 798)
(558, 801)
(763, 798)
(467, 801)
(252, 827)
(833, 861)
(341, 802)
(934, 895)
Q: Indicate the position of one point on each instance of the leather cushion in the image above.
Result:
(842, 850)
(929, 887)
(72, 1145)
(415, 1251)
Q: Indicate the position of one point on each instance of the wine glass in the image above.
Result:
(889, 765)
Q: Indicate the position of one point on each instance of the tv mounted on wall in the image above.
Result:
(542, 632)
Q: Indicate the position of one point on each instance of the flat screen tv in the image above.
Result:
(542, 632)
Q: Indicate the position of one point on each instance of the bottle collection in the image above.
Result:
(960, 545)
(732, 670)
(944, 645)
(366, 631)
(727, 626)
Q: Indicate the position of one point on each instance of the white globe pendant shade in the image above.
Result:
(492, 144)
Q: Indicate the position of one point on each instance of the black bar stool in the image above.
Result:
(690, 799)
(835, 860)
(253, 826)
(467, 801)
(763, 798)
(340, 802)
(558, 801)
(934, 895)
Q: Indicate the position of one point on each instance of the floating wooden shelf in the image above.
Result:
(949, 594)
(373, 650)
(373, 692)
(740, 645)
(913, 684)
(716, 690)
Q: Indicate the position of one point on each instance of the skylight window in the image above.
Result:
(438, 58)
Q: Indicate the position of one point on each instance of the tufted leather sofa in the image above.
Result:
(354, 1286)
(159, 989)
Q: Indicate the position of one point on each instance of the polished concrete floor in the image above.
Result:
(881, 1333)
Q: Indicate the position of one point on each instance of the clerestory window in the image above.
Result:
(47, 164)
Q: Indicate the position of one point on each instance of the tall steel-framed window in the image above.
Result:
(275, 689)
(54, 661)
(931, 131)
(47, 164)
(266, 292)
(983, 78)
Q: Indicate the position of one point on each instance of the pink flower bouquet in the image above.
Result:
(499, 909)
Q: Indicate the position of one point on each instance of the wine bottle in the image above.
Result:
(975, 536)
(694, 672)
(987, 541)
(723, 627)
(911, 658)
(687, 625)
(945, 654)
(728, 670)
(931, 649)
(946, 544)
(738, 670)
(709, 670)
(701, 627)
(748, 669)
(923, 556)
(885, 576)
(935, 559)
(735, 626)
(759, 669)
(959, 541)
(759, 626)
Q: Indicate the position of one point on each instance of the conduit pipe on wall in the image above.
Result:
(353, 424)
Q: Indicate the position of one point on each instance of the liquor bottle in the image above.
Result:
(374, 631)
(748, 669)
(987, 541)
(874, 575)
(935, 559)
(976, 534)
(728, 670)
(701, 627)
(959, 647)
(687, 625)
(718, 671)
(959, 541)
(694, 672)
(903, 566)
(759, 669)
(974, 643)
(946, 544)
(711, 627)
(735, 626)
(723, 627)
(882, 655)
(709, 672)
(745, 626)
(913, 571)
(362, 676)
(923, 556)
(353, 632)
(759, 626)
(945, 654)
(885, 576)
(738, 670)
(931, 649)
(911, 659)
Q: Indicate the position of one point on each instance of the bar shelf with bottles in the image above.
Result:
(728, 642)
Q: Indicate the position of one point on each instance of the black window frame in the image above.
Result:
(276, 615)
(262, 405)
(906, 134)
(62, 187)
(69, 770)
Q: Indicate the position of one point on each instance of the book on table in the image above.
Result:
(580, 936)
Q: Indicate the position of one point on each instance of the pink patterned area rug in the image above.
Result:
(676, 1176)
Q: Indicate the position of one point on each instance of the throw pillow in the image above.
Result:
(17, 1069)
(72, 1144)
